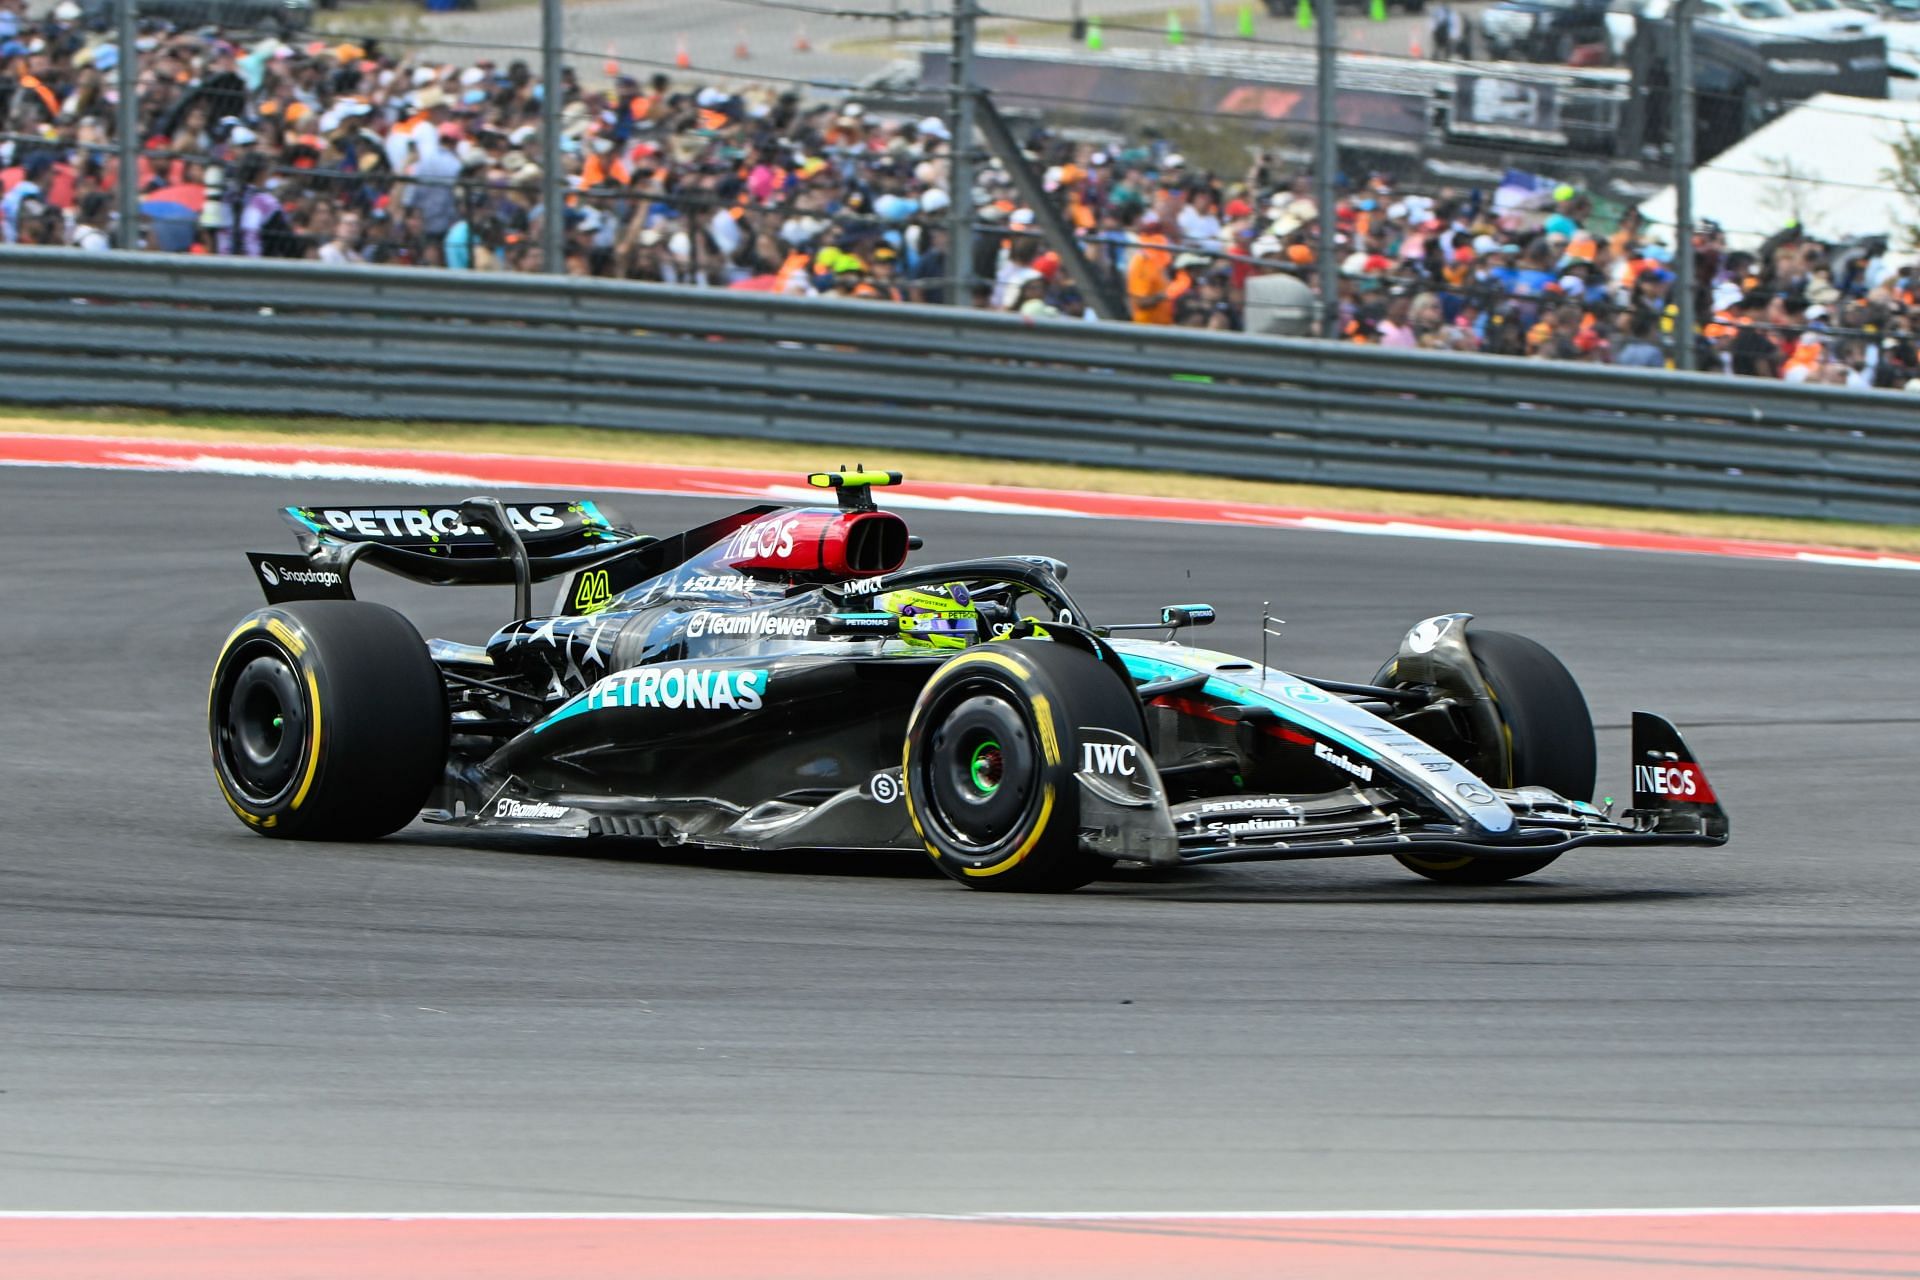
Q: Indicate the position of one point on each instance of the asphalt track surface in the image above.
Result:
(192, 1018)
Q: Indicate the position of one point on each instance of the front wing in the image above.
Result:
(1130, 819)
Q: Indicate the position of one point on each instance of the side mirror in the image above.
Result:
(1187, 615)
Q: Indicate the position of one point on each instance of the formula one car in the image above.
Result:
(776, 679)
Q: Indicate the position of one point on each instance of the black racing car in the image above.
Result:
(777, 680)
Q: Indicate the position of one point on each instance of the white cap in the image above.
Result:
(1020, 218)
(472, 76)
(1174, 161)
(423, 76)
(66, 11)
(933, 200)
(934, 127)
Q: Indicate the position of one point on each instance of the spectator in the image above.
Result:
(1642, 349)
(344, 247)
(1199, 224)
(1149, 272)
(90, 225)
(1440, 31)
(26, 188)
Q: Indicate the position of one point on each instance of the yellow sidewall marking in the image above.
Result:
(1026, 847)
(313, 742)
(233, 804)
(213, 681)
(296, 644)
(906, 793)
(981, 655)
(1049, 740)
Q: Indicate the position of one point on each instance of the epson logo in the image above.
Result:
(420, 522)
(1364, 772)
(1251, 826)
(765, 540)
(507, 807)
(674, 688)
(754, 625)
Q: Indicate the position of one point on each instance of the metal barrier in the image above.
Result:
(247, 336)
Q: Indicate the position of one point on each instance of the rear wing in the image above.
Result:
(480, 542)
(545, 528)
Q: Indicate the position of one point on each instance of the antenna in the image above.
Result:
(1267, 624)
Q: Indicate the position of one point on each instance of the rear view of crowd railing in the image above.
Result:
(254, 337)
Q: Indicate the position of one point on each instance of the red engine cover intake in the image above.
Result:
(841, 544)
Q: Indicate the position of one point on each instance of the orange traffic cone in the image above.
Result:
(800, 42)
(740, 51)
(680, 57)
(1413, 47)
(612, 65)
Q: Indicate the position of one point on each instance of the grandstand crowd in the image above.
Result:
(350, 153)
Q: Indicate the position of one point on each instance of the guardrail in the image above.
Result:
(247, 336)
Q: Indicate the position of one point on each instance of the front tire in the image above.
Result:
(990, 757)
(327, 720)
(1549, 744)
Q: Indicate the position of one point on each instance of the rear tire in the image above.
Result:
(990, 757)
(328, 721)
(1549, 744)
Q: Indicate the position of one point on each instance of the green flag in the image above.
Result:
(1379, 11)
(1174, 34)
(1303, 15)
(1095, 40)
(1246, 22)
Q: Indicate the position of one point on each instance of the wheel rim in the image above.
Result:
(262, 724)
(986, 767)
(982, 772)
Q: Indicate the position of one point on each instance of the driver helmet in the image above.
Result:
(942, 617)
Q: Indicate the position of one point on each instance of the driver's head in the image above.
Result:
(942, 617)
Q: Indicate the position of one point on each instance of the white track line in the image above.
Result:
(1095, 1215)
